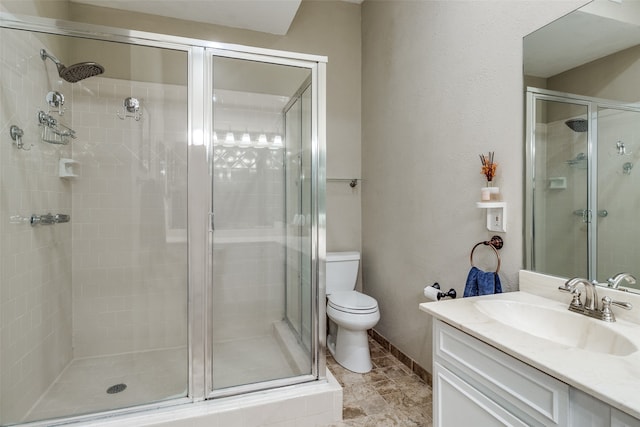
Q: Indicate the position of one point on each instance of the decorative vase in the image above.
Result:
(489, 193)
(485, 194)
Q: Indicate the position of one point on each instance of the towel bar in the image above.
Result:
(495, 243)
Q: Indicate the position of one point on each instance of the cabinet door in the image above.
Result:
(587, 411)
(457, 403)
(620, 419)
(526, 391)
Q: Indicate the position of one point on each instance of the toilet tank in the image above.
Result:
(342, 271)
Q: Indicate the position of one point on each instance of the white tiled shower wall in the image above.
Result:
(35, 287)
(129, 278)
(112, 267)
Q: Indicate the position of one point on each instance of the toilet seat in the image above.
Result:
(353, 302)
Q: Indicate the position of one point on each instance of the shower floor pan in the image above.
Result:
(257, 359)
(95, 384)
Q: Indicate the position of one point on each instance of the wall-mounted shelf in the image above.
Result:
(496, 215)
(66, 168)
(558, 182)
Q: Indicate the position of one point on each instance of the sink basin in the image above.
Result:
(560, 326)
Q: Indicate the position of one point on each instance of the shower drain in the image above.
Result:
(117, 388)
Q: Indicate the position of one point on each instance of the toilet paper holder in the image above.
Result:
(450, 294)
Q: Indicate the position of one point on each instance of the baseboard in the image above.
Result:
(406, 360)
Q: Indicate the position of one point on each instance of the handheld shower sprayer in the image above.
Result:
(76, 72)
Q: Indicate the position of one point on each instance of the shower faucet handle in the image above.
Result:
(56, 99)
(48, 219)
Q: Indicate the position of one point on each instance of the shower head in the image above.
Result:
(76, 72)
(577, 125)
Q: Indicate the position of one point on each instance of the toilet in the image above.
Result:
(350, 313)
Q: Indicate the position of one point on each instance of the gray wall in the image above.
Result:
(612, 77)
(441, 83)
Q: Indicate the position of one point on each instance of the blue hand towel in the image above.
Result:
(482, 283)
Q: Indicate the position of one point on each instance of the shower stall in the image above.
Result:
(162, 221)
(581, 185)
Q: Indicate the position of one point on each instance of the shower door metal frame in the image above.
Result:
(199, 182)
(593, 105)
(294, 99)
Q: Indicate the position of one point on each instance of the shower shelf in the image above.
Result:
(558, 182)
(53, 131)
(66, 168)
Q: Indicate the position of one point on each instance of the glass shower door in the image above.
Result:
(261, 232)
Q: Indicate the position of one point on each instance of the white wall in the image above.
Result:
(442, 83)
(129, 275)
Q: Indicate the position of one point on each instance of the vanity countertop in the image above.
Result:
(612, 379)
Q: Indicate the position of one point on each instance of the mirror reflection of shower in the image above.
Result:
(578, 125)
(581, 185)
(579, 161)
(621, 149)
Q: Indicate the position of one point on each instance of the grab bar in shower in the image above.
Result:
(49, 219)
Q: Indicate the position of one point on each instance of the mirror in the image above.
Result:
(583, 140)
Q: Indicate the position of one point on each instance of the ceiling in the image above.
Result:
(268, 16)
(596, 30)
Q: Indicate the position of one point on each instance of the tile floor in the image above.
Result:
(389, 395)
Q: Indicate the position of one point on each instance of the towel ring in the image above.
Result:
(495, 243)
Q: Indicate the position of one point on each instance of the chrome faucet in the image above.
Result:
(614, 281)
(590, 307)
(590, 297)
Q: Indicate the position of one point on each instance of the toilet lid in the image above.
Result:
(353, 301)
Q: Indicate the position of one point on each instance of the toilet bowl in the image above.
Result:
(350, 313)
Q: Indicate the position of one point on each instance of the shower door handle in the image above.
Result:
(211, 221)
(585, 214)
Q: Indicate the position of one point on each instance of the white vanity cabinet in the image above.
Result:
(475, 384)
(458, 403)
(471, 377)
